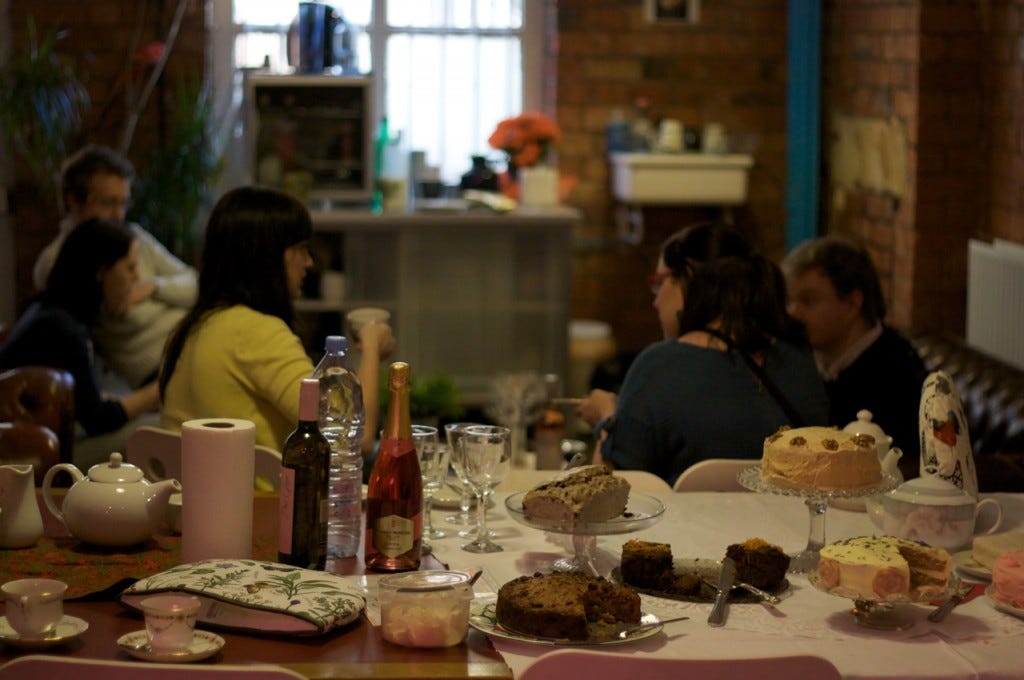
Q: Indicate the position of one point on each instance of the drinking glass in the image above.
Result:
(425, 439)
(486, 454)
(433, 468)
(453, 432)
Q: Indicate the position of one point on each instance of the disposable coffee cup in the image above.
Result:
(170, 621)
(34, 606)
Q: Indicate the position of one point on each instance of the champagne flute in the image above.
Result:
(424, 437)
(453, 432)
(486, 457)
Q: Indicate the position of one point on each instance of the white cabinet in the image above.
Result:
(471, 294)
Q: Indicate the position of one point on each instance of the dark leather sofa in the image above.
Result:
(993, 396)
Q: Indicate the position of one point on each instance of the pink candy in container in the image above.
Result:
(425, 608)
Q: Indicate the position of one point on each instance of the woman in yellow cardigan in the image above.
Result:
(236, 355)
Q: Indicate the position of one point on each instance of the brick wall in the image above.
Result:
(1005, 119)
(728, 68)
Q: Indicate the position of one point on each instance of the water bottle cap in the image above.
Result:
(336, 343)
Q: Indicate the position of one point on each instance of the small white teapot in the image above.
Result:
(113, 506)
(934, 511)
(864, 425)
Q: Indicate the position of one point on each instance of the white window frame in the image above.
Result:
(225, 79)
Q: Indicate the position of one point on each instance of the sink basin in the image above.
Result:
(680, 178)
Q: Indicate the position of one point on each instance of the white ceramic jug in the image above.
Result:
(21, 524)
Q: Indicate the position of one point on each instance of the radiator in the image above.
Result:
(995, 299)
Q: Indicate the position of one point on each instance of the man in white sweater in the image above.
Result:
(96, 182)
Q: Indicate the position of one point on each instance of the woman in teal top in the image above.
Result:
(712, 392)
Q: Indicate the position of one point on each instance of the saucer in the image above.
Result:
(965, 563)
(1002, 606)
(204, 644)
(68, 628)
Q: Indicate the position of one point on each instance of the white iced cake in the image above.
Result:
(590, 493)
(883, 568)
(985, 549)
(820, 458)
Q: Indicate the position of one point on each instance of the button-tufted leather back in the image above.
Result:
(993, 396)
(43, 396)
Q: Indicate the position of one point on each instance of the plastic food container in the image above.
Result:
(425, 608)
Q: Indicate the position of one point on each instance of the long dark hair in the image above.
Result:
(91, 248)
(745, 297)
(243, 261)
(699, 243)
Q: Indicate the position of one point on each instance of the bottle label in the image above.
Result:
(394, 535)
(286, 510)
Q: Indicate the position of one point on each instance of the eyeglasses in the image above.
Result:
(655, 280)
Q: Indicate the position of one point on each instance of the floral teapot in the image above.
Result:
(113, 506)
(934, 511)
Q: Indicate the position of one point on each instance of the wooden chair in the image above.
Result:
(713, 474)
(43, 667)
(158, 453)
(576, 663)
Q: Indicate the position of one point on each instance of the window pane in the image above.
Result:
(252, 48)
(460, 14)
(448, 93)
(356, 12)
(263, 13)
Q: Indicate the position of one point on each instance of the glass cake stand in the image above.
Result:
(887, 614)
(817, 500)
(641, 512)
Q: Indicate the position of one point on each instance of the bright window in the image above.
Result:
(451, 68)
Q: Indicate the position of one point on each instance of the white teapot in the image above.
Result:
(113, 506)
(934, 511)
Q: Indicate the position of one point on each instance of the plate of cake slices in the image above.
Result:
(564, 608)
(588, 500)
(964, 561)
(651, 569)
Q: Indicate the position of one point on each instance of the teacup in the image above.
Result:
(34, 605)
(170, 621)
(358, 318)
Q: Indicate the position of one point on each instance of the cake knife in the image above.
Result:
(725, 581)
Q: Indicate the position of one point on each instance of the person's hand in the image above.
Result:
(376, 337)
(597, 406)
(142, 290)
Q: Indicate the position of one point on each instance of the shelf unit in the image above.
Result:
(472, 294)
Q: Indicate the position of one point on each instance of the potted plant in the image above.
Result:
(433, 399)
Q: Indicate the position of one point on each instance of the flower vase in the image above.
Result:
(538, 186)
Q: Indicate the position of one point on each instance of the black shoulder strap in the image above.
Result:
(762, 376)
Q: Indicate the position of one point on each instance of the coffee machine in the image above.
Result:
(325, 41)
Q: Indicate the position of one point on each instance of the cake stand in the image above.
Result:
(641, 512)
(889, 614)
(817, 501)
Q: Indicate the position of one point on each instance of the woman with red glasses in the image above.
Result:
(732, 368)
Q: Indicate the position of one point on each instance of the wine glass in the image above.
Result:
(453, 432)
(433, 468)
(485, 455)
(425, 439)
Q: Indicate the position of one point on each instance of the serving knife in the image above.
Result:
(725, 581)
(946, 607)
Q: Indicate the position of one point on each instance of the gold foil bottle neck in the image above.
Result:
(399, 376)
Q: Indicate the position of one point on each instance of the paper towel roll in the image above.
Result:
(217, 471)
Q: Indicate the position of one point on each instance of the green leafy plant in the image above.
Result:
(42, 105)
(174, 186)
(431, 396)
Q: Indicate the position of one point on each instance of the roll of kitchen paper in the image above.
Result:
(217, 471)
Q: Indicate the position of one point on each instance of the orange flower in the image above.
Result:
(526, 138)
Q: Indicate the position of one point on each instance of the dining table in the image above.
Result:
(976, 640)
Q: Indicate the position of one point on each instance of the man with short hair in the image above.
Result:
(96, 182)
(834, 292)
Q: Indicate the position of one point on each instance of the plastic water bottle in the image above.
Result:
(341, 418)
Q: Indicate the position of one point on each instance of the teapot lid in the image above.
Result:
(931, 490)
(115, 471)
(864, 425)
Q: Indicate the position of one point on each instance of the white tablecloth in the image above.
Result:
(975, 641)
